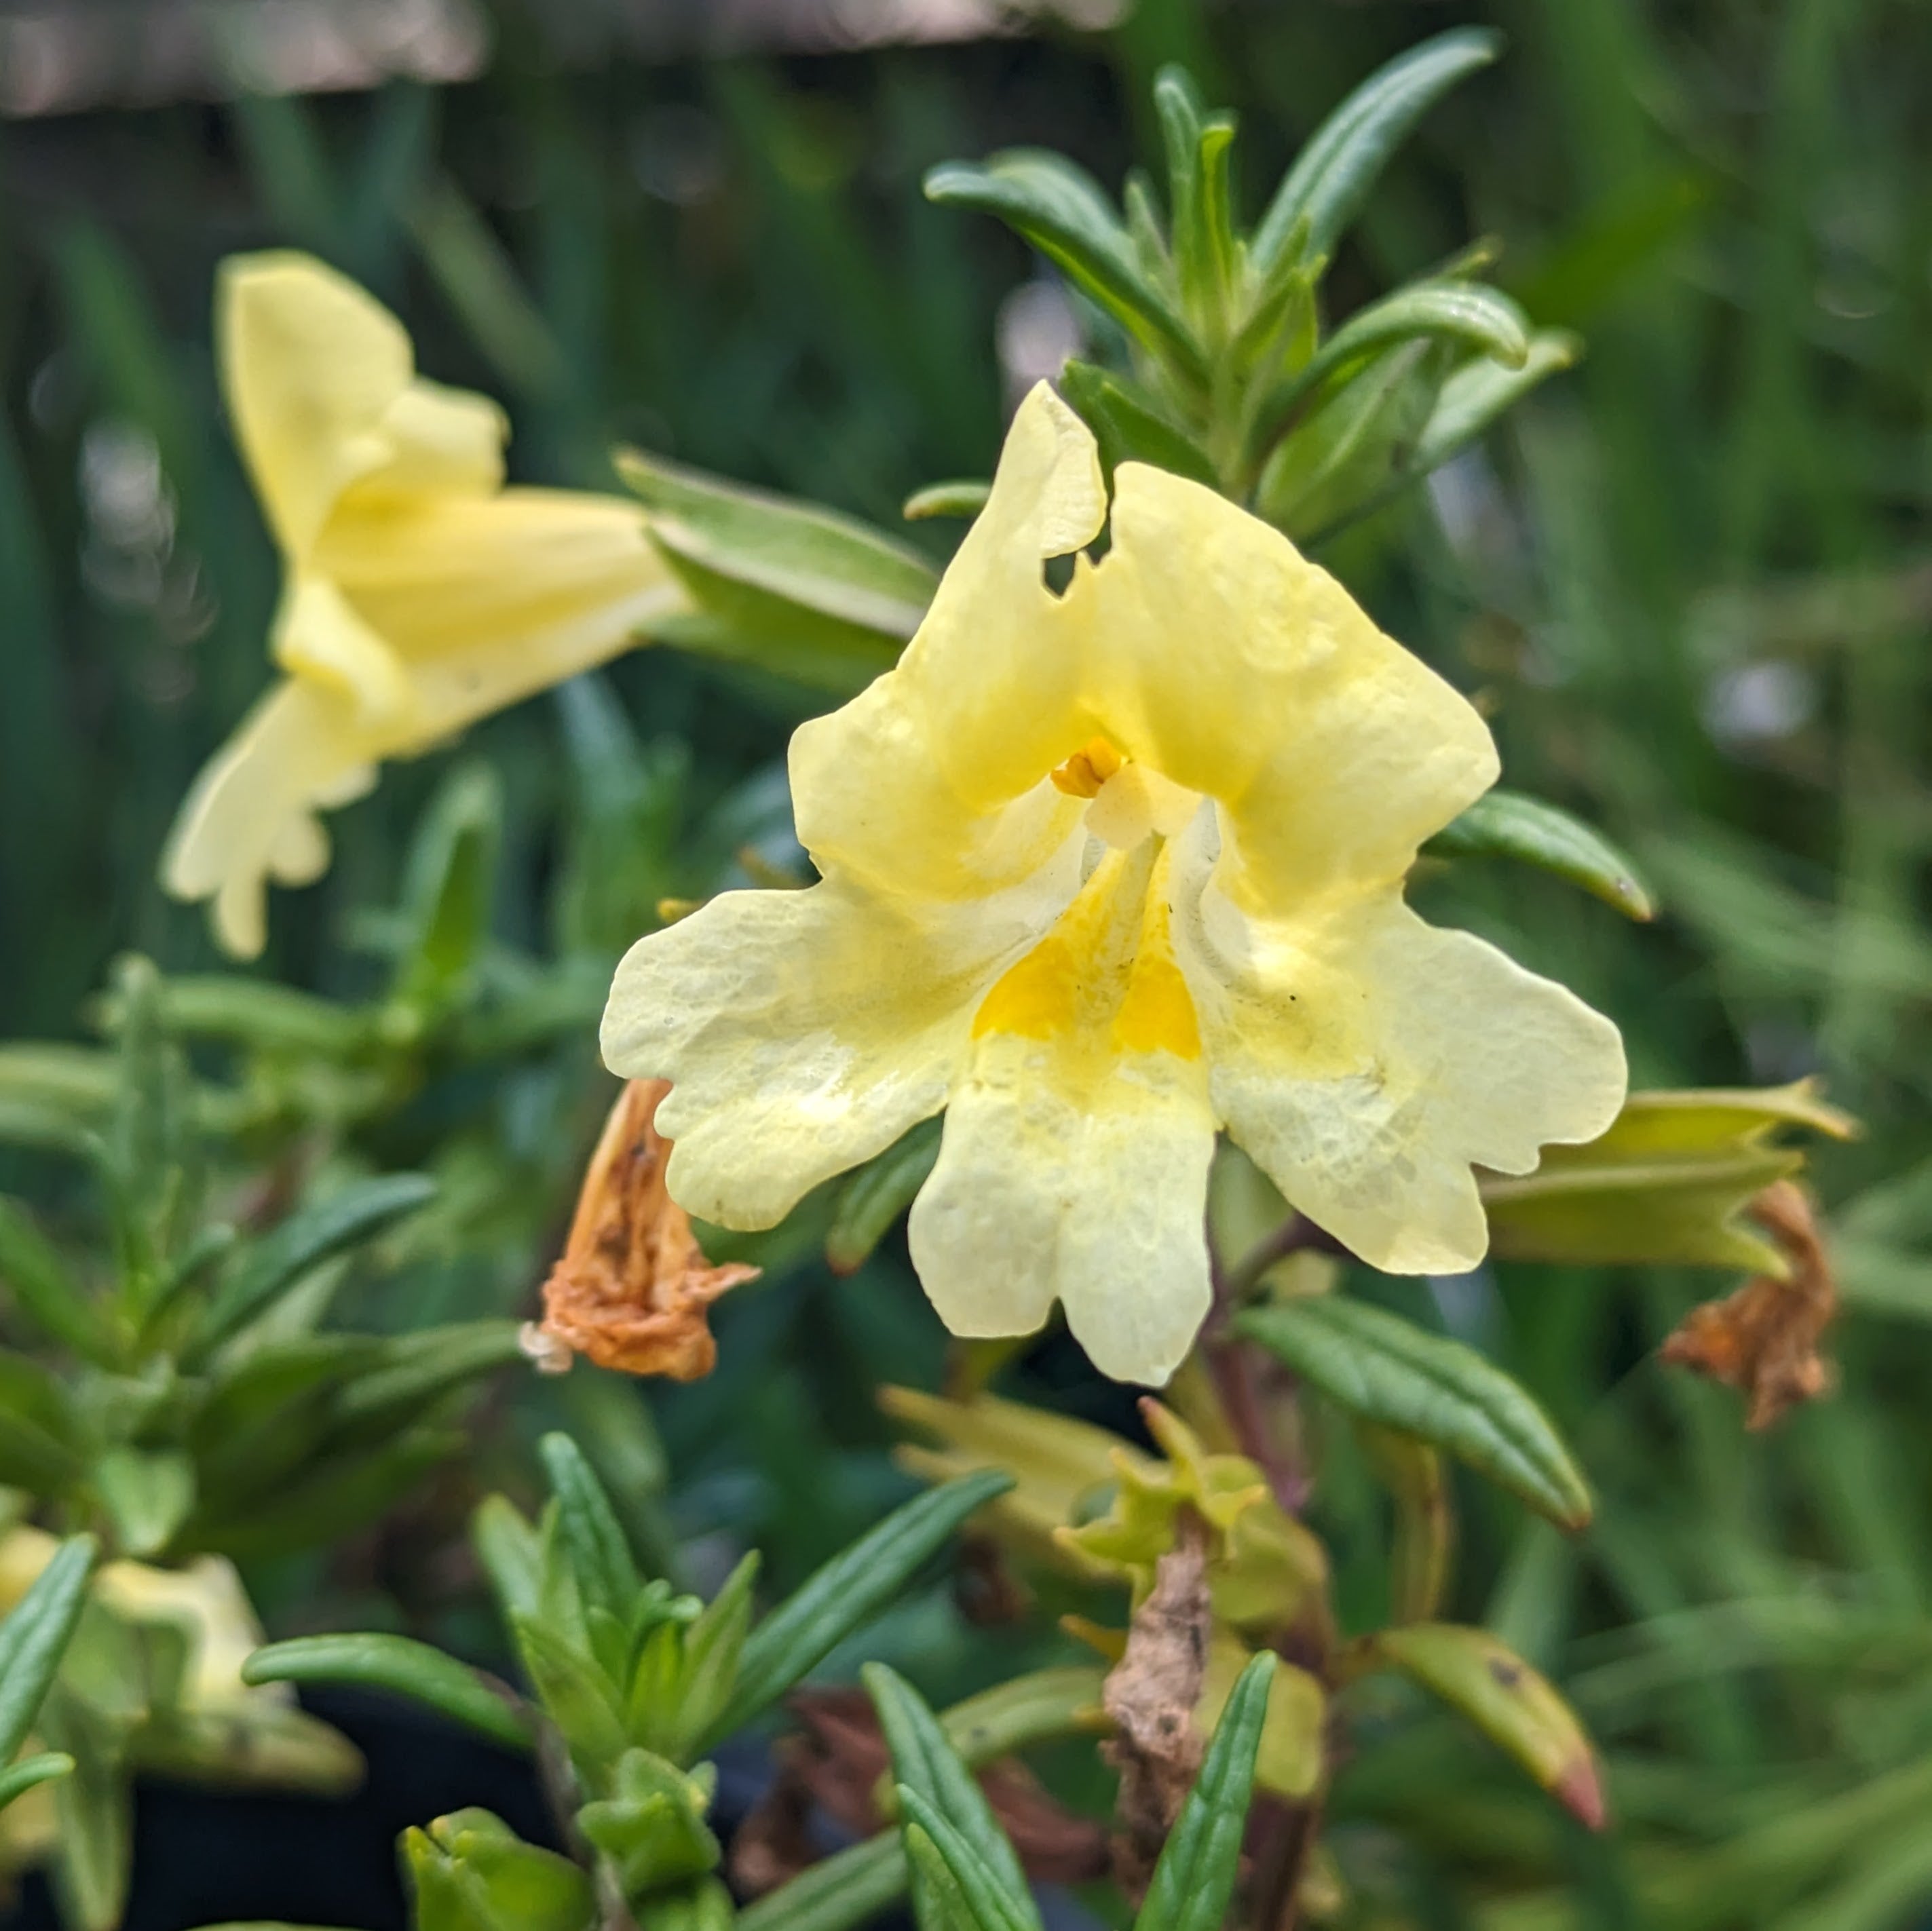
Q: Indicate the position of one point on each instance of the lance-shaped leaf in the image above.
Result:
(1195, 1878)
(255, 1013)
(42, 1437)
(1455, 311)
(147, 1493)
(37, 1280)
(1480, 391)
(924, 1761)
(1388, 1371)
(959, 1885)
(607, 1572)
(275, 1263)
(1332, 174)
(794, 588)
(1198, 144)
(848, 1889)
(1346, 457)
(1514, 1707)
(403, 1667)
(852, 1588)
(1669, 1182)
(963, 496)
(448, 889)
(1060, 209)
(1128, 429)
(35, 1637)
(871, 1201)
(93, 1815)
(413, 1371)
(30, 1772)
(1506, 824)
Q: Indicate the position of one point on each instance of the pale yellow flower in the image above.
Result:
(1102, 871)
(419, 594)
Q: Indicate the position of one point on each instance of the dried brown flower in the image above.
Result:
(1763, 1339)
(632, 1287)
(1150, 1695)
(836, 1766)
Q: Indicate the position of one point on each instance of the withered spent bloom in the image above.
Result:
(1151, 1695)
(633, 1286)
(1763, 1339)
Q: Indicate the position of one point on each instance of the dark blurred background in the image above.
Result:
(1692, 579)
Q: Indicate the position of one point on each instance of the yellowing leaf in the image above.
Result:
(1515, 1707)
(1670, 1181)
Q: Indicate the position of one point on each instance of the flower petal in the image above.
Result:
(803, 1032)
(1074, 1163)
(933, 779)
(1223, 658)
(251, 814)
(484, 600)
(1093, 1197)
(310, 365)
(319, 635)
(1367, 1060)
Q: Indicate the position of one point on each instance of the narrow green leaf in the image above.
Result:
(938, 1902)
(852, 1588)
(995, 1902)
(1389, 1370)
(606, 1572)
(1197, 145)
(924, 1761)
(1507, 1701)
(273, 1265)
(1454, 311)
(1195, 1878)
(712, 1645)
(793, 551)
(511, 1550)
(399, 1664)
(964, 497)
(94, 1808)
(30, 1772)
(576, 1695)
(1060, 209)
(870, 1201)
(1476, 394)
(1348, 455)
(1333, 173)
(471, 267)
(45, 1440)
(148, 1495)
(1128, 429)
(44, 1290)
(415, 1370)
(836, 1893)
(33, 1638)
(339, 1496)
(1508, 824)
(448, 889)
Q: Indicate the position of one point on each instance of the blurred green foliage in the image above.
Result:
(1690, 578)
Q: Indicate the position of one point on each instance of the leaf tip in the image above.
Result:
(1579, 1789)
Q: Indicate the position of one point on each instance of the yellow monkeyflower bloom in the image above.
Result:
(1102, 871)
(419, 594)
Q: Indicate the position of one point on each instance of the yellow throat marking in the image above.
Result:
(1103, 981)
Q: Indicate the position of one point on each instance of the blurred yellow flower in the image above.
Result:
(1104, 869)
(419, 594)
